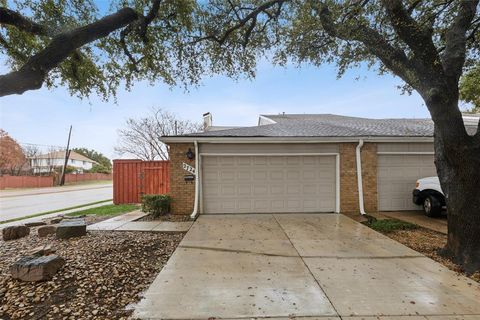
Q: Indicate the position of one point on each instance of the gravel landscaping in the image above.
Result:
(429, 243)
(104, 273)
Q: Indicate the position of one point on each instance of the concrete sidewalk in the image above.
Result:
(302, 265)
(126, 222)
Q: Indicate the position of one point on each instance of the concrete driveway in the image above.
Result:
(302, 265)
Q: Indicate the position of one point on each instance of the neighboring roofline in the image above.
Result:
(266, 119)
(204, 139)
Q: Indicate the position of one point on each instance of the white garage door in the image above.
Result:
(396, 179)
(262, 184)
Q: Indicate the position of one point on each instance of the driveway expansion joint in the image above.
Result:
(238, 251)
(366, 257)
(306, 266)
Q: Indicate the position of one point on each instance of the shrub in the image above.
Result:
(156, 204)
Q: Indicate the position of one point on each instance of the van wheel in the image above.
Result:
(432, 206)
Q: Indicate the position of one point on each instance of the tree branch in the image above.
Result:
(15, 19)
(456, 39)
(418, 38)
(393, 58)
(242, 22)
(33, 73)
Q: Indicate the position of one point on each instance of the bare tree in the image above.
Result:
(31, 152)
(141, 137)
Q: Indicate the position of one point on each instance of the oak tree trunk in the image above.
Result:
(457, 158)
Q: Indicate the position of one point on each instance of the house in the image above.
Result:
(302, 163)
(46, 163)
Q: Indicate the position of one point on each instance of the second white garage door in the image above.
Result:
(264, 184)
(397, 175)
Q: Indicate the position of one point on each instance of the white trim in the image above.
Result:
(337, 183)
(197, 182)
(253, 140)
(270, 154)
(337, 168)
(358, 156)
(406, 152)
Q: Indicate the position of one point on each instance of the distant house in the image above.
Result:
(48, 162)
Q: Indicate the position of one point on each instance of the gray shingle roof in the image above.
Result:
(329, 125)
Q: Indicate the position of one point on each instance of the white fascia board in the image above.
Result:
(292, 139)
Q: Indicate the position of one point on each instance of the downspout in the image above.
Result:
(359, 177)
(197, 183)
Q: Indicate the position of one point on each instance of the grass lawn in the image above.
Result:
(389, 225)
(106, 210)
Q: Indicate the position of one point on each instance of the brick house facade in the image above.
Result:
(303, 163)
(183, 192)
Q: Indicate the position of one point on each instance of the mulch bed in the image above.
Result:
(103, 274)
(429, 243)
(166, 217)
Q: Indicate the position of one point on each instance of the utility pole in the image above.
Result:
(67, 155)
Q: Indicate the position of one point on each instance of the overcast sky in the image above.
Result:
(43, 116)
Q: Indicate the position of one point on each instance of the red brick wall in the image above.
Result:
(183, 193)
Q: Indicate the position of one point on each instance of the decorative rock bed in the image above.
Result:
(104, 273)
(44, 231)
(71, 228)
(15, 232)
(36, 268)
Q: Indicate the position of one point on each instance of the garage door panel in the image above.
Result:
(249, 184)
(277, 190)
(294, 189)
(396, 176)
(293, 204)
(294, 174)
(227, 161)
(277, 161)
(260, 190)
(245, 190)
(245, 205)
(276, 175)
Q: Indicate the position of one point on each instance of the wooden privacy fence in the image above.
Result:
(71, 178)
(25, 181)
(7, 181)
(134, 178)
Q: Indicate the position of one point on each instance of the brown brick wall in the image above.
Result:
(369, 176)
(348, 177)
(183, 193)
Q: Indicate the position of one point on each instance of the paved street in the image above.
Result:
(18, 203)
